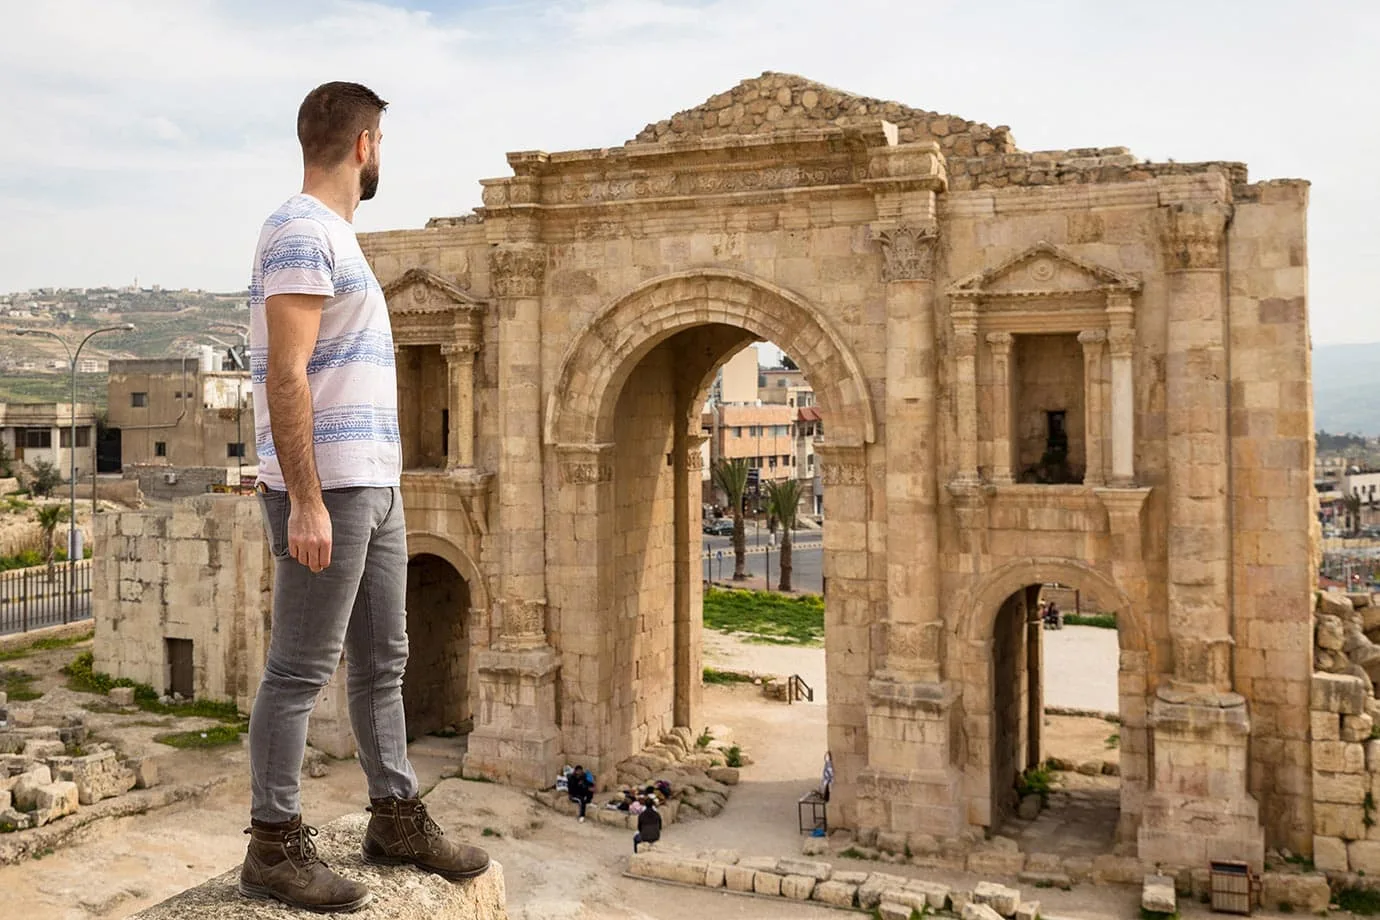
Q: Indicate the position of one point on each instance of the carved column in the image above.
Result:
(1000, 345)
(1121, 341)
(516, 738)
(1199, 808)
(965, 389)
(460, 375)
(1092, 341)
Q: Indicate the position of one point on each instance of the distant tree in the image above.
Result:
(783, 498)
(788, 364)
(46, 477)
(49, 516)
(1353, 513)
(731, 477)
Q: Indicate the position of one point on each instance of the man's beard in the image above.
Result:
(369, 179)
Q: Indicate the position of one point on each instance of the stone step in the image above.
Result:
(399, 893)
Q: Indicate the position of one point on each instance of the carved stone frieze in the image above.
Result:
(585, 464)
(1192, 233)
(596, 189)
(523, 620)
(517, 270)
(1121, 341)
(908, 252)
(842, 466)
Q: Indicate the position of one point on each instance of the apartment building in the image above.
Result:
(43, 431)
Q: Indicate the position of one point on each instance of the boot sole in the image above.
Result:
(257, 893)
(454, 876)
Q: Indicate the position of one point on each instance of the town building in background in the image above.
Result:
(43, 431)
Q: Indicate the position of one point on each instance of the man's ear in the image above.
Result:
(362, 147)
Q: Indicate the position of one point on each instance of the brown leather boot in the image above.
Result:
(402, 833)
(282, 865)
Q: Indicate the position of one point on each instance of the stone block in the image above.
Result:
(996, 862)
(814, 846)
(1119, 870)
(726, 775)
(1290, 893)
(798, 887)
(767, 883)
(998, 897)
(1363, 856)
(975, 911)
(1335, 603)
(1340, 788)
(739, 878)
(849, 877)
(714, 875)
(1329, 853)
(1342, 693)
(1345, 821)
(1078, 868)
(922, 844)
(25, 790)
(936, 894)
(1029, 808)
(1325, 726)
(667, 868)
(1357, 728)
(819, 871)
(889, 842)
(1028, 910)
(1329, 634)
(121, 696)
(41, 749)
(13, 820)
(870, 891)
(835, 893)
(759, 863)
(57, 799)
(1338, 757)
(890, 910)
(1157, 895)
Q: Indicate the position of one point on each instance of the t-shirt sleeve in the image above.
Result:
(297, 259)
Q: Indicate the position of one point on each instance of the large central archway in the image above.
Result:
(624, 422)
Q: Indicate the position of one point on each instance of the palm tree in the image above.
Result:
(1353, 513)
(49, 516)
(783, 500)
(731, 476)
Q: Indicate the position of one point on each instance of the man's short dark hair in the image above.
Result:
(331, 118)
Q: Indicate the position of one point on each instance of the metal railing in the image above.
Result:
(797, 689)
(31, 598)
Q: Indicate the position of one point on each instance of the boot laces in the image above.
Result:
(429, 827)
(301, 847)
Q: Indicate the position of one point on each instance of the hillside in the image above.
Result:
(1346, 388)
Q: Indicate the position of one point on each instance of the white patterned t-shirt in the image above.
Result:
(306, 248)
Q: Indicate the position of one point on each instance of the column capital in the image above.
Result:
(965, 343)
(1122, 342)
(517, 269)
(585, 464)
(1091, 338)
(455, 350)
(522, 623)
(1192, 233)
(1000, 342)
(908, 252)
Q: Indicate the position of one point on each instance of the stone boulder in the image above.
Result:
(835, 893)
(25, 790)
(1328, 632)
(1302, 894)
(56, 800)
(798, 887)
(1337, 604)
(728, 776)
(1157, 895)
(998, 897)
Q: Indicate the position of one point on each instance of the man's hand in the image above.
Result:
(309, 534)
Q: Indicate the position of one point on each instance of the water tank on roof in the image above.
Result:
(208, 359)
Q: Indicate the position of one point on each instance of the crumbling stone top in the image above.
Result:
(399, 893)
(785, 102)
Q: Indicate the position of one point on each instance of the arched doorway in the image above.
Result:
(436, 686)
(1006, 656)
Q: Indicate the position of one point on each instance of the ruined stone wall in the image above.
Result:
(189, 480)
(436, 688)
(202, 572)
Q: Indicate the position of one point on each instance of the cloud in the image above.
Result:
(150, 137)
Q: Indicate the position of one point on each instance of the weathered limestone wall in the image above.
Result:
(1049, 378)
(202, 572)
(436, 688)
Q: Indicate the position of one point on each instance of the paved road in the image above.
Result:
(807, 558)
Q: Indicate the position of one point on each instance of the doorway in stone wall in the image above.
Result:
(436, 686)
(1056, 737)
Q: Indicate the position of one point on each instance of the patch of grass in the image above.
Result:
(490, 832)
(82, 677)
(715, 676)
(704, 739)
(40, 645)
(19, 685)
(215, 736)
(1113, 741)
(1100, 620)
(733, 757)
(1036, 781)
(763, 616)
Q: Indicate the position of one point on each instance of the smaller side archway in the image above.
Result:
(1000, 671)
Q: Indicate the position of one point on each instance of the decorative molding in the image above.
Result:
(1121, 341)
(965, 343)
(908, 252)
(842, 466)
(1037, 273)
(419, 290)
(1192, 234)
(517, 270)
(523, 619)
(1092, 337)
(1000, 342)
(585, 464)
(459, 350)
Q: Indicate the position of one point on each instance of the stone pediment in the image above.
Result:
(780, 102)
(1043, 270)
(419, 290)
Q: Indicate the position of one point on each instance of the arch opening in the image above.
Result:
(436, 697)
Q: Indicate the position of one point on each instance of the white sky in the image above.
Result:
(151, 137)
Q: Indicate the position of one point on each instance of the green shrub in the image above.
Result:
(715, 676)
(82, 677)
(1036, 781)
(1100, 620)
(734, 756)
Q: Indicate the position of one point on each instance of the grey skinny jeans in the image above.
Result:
(357, 603)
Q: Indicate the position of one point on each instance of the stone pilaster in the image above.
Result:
(965, 390)
(1093, 342)
(515, 738)
(1121, 345)
(460, 377)
(1000, 345)
(1199, 808)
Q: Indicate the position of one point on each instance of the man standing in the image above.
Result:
(325, 408)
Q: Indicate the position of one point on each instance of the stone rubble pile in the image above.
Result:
(41, 782)
(699, 777)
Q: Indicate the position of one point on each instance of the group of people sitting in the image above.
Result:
(579, 784)
(1051, 615)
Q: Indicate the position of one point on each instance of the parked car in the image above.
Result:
(721, 527)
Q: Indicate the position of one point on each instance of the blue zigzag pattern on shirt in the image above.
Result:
(296, 250)
(367, 346)
(340, 424)
(353, 275)
(300, 206)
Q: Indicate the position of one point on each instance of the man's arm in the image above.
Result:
(293, 323)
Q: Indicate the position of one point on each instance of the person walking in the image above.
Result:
(580, 785)
(325, 412)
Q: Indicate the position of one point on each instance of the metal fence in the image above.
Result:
(32, 598)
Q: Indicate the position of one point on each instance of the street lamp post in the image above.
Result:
(72, 359)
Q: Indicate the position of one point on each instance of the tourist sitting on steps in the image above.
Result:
(648, 824)
(580, 785)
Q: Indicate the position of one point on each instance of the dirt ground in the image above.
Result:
(555, 868)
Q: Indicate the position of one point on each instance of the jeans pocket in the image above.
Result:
(276, 508)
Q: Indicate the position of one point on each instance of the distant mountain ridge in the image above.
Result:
(1346, 388)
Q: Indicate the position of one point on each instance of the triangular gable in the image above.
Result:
(1043, 269)
(419, 290)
